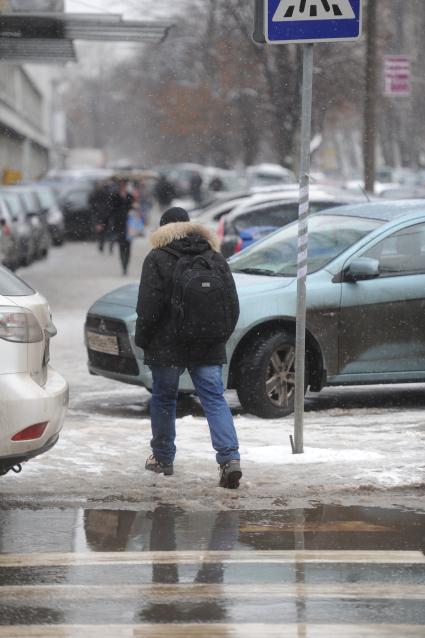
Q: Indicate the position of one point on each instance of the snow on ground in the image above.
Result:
(101, 453)
(363, 444)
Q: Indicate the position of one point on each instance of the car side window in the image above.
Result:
(253, 218)
(402, 253)
(276, 216)
(282, 216)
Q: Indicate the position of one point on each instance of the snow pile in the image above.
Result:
(279, 454)
(100, 457)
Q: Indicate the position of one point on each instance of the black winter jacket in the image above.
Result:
(154, 330)
(120, 207)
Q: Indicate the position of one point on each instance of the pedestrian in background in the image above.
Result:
(121, 203)
(196, 187)
(145, 201)
(100, 203)
(178, 332)
(164, 192)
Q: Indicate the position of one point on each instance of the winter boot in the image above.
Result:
(230, 474)
(157, 466)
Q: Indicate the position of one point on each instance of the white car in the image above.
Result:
(33, 396)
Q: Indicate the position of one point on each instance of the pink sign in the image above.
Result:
(397, 76)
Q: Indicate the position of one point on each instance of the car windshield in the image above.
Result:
(29, 201)
(329, 236)
(46, 198)
(13, 202)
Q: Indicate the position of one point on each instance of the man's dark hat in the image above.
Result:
(173, 215)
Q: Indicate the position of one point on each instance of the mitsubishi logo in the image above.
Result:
(102, 326)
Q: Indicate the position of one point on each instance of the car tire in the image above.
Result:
(266, 376)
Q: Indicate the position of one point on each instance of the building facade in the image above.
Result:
(25, 107)
(25, 97)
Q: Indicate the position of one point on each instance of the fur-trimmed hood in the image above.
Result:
(164, 235)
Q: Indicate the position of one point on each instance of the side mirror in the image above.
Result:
(361, 269)
(2, 222)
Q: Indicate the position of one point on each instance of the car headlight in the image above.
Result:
(19, 325)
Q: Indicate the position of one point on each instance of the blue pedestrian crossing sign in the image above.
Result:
(304, 21)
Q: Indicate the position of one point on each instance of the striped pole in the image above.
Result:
(307, 96)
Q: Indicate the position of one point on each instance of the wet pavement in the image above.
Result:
(322, 571)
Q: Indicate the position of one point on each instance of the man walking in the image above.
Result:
(121, 203)
(100, 201)
(187, 309)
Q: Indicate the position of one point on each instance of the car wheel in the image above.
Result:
(266, 376)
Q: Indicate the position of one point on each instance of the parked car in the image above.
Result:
(266, 211)
(21, 225)
(214, 216)
(48, 203)
(9, 238)
(365, 298)
(63, 179)
(249, 222)
(37, 218)
(403, 192)
(33, 396)
(75, 205)
(385, 178)
(212, 213)
(268, 175)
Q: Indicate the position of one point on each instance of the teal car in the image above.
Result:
(365, 310)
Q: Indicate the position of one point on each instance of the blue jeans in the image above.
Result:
(209, 388)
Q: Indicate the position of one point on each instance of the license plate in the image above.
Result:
(103, 343)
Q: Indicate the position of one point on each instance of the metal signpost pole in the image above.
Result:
(305, 22)
(307, 95)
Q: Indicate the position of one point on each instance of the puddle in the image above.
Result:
(169, 528)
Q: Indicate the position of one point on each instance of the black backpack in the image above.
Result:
(201, 309)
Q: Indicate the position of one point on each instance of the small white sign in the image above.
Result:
(397, 76)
